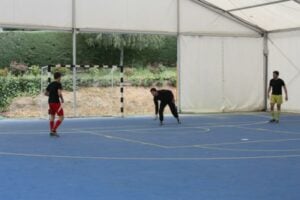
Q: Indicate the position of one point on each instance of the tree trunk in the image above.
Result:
(121, 56)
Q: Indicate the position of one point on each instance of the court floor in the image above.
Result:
(213, 156)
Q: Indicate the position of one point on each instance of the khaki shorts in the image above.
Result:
(276, 99)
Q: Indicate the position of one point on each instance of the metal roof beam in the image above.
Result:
(230, 16)
(257, 5)
(284, 30)
(35, 27)
(297, 1)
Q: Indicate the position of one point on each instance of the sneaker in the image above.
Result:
(272, 120)
(54, 134)
(161, 123)
(178, 121)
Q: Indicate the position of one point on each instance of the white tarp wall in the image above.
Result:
(217, 73)
(52, 14)
(220, 74)
(284, 56)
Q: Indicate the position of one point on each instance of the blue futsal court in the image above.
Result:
(210, 157)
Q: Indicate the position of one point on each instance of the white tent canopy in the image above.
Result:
(270, 15)
(227, 49)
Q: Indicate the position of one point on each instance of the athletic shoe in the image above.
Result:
(179, 122)
(54, 134)
(272, 120)
(161, 123)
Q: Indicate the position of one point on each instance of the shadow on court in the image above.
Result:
(224, 156)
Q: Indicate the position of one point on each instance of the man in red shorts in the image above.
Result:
(54, 92)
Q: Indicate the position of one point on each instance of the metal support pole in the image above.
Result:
(42, 92)
(49, 75)
(74, 32)
(266, 69)
(178, 82)
(74, 73)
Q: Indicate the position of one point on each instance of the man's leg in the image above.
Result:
(277, 114)
(60, 114)
(272, 112)
(51, 119)
(174, 111)
(161, 112)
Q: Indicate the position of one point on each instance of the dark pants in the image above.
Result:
(172, 108)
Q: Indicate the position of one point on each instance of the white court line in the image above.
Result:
(184, 146)
(205, 146)
(36, 133)
(124, 139)
(234, 143)
(118, 128)
(18, 133)
(147, 158)
(250, 150)
(269, 130)
(149, 126)
(163, 129)
(205, 127)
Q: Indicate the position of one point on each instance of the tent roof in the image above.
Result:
(269, 15)
(155, 16)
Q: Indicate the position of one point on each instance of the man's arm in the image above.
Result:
(286, 93)
(47, 91)
(156, 106)
(60, 95)
(269, 90)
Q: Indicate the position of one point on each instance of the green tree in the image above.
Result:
(128, 41)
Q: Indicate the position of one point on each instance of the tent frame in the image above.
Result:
(225, 13)
(257, 5)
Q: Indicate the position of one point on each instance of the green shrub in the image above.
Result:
(157, 69)
(67, 83)
(94, 71)
(147, 83)
(135, 82)
(35, 70)
(63, 70)
(172, 82)
(159, 83)
(30, 84)
(11, 87)
(4, 72)
(129, 71)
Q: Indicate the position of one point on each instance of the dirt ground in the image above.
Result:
(92, 101)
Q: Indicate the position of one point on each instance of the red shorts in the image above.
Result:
(55, 108)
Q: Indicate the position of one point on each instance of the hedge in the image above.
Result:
(11, 87)
(43, 48)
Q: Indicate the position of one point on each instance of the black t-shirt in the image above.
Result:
(277, 85)
(165, 96)
(53, 92)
